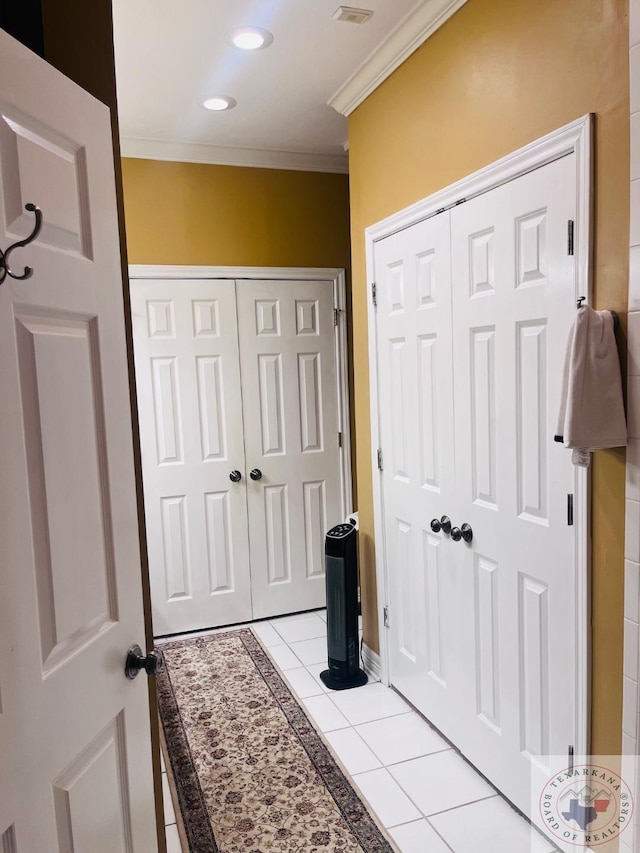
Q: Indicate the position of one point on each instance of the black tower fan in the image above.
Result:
(341, 571)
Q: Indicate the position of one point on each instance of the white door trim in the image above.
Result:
(339, 282)
(574, 138)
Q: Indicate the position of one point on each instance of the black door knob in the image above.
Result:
(456, 534)
(435, 525)
(256, 474)
(136, 661)
(467, 532)
(235, 476)
(445, 524)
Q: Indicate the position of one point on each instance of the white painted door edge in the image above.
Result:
(338, 278)
(574, 138)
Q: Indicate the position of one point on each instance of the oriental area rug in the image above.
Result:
(251, 773)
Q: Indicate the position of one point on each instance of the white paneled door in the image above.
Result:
(75, 754)
(416, 431)
(190, 408)
(238, 399)
(474, 309)
(289, 388)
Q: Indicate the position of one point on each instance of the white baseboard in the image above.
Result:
(371, 662)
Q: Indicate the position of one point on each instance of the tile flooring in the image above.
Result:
(392, 755)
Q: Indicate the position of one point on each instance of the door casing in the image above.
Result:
(576, 138)
(338, 279)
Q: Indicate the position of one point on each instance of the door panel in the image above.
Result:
(482, 635)
(415, 367)
(71, 601)
(512, 479)
(289, 386)
(190, 406)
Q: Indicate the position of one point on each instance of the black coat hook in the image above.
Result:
(5, 269)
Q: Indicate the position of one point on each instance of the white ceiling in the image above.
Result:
(171, 56)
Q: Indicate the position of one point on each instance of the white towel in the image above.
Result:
(591, 409)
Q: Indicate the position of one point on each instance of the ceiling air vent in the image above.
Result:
(352, 16)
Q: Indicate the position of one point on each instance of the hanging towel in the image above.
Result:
(591, 408)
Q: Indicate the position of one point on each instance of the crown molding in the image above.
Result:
(219, 155)
(407, 37)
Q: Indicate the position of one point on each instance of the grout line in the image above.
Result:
(441, 837)
(416, 757)
(364, 722)
(460, 806)
(426, 820)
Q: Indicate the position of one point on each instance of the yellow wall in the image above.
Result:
(188, 213)
(496, 76)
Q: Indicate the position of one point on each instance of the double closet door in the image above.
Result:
(474, 309)
(238, 407)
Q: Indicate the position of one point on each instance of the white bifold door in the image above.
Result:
(474, 309)
(239, 419)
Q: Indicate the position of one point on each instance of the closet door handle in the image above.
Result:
(235, 476)
(435, 525)
(256, 474)
(465, 533)
(445, 524)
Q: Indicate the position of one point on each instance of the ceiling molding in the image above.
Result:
(219, 155)
(407, 37)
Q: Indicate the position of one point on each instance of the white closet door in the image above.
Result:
(190, 406)
(482, 635)
(412, 272)
(514, 302)
(289, 390)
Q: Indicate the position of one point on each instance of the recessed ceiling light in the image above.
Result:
(250, 38)
(219, 102)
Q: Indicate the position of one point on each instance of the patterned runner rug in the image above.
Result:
(251, 772)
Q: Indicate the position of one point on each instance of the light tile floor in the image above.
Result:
(392, 756)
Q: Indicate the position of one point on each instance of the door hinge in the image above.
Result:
(570, 755)
(339, 439)
(570, 237)
(379, 459)
(570, 510)
(336, 316)
(374, 294)
(385, 616)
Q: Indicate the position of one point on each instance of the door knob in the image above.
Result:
(256, 474)
(435, 525)
(467, 532)
(136, 661)
(445, 524)
(456, 534)
(235, 476)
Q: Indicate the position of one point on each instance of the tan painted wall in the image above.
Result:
(498, 75)
(188, 213)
